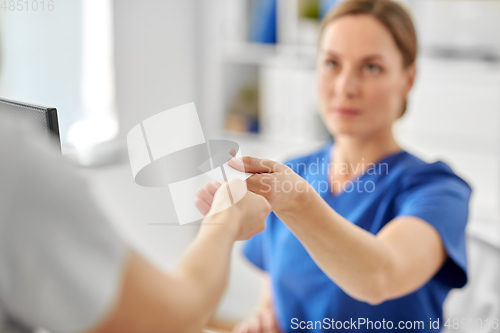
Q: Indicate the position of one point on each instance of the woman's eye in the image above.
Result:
(331, 64)
(373, 69)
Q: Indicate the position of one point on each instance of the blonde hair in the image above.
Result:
(388, 12)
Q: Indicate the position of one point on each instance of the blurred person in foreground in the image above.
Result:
(361, 229)
(65, 269)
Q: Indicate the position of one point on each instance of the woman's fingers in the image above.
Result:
(249, 326)
(263, 322)
(241, 328)
(253, 325)
(261, 184)
(269, 322)
(254, 165)
(238, 328)
(237, 163)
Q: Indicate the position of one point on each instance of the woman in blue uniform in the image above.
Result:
(364, 236)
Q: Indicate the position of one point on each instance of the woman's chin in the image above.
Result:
(343, 129)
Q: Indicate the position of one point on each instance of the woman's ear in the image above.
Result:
(410, 72)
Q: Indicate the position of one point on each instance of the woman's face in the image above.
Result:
(362, 80)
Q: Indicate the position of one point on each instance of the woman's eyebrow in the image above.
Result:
(373, 57)
(330, 53)
(368, 57)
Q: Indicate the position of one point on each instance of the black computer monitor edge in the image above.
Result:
(50, 114)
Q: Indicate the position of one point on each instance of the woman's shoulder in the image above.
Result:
(414, 171)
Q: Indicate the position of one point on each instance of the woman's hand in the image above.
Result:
(262, 322)
(246, 217)
(281, 186)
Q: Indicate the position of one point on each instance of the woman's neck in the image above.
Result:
(354, 153)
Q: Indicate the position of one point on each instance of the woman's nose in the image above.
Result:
(347, 84)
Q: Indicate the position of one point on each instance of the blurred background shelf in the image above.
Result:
(248, 53)
(264, 48)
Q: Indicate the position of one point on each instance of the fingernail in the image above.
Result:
(238, 160)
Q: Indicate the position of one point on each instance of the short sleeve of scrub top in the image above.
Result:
(61, 261)
(410, 187)
(253, 250)
(437, 196)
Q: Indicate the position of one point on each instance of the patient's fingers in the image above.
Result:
(202, 206)
(207, 192)
(212, 187)
(205, 196)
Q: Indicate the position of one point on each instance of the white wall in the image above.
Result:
(40, 58)
(156, 57)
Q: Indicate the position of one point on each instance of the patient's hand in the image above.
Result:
(205, 197)
(285, 190)
(247, 216)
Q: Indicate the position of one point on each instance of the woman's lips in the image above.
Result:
(346, 112)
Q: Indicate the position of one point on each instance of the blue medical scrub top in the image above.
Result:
(397, 185)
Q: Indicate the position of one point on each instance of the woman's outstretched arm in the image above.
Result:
(402, 257)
